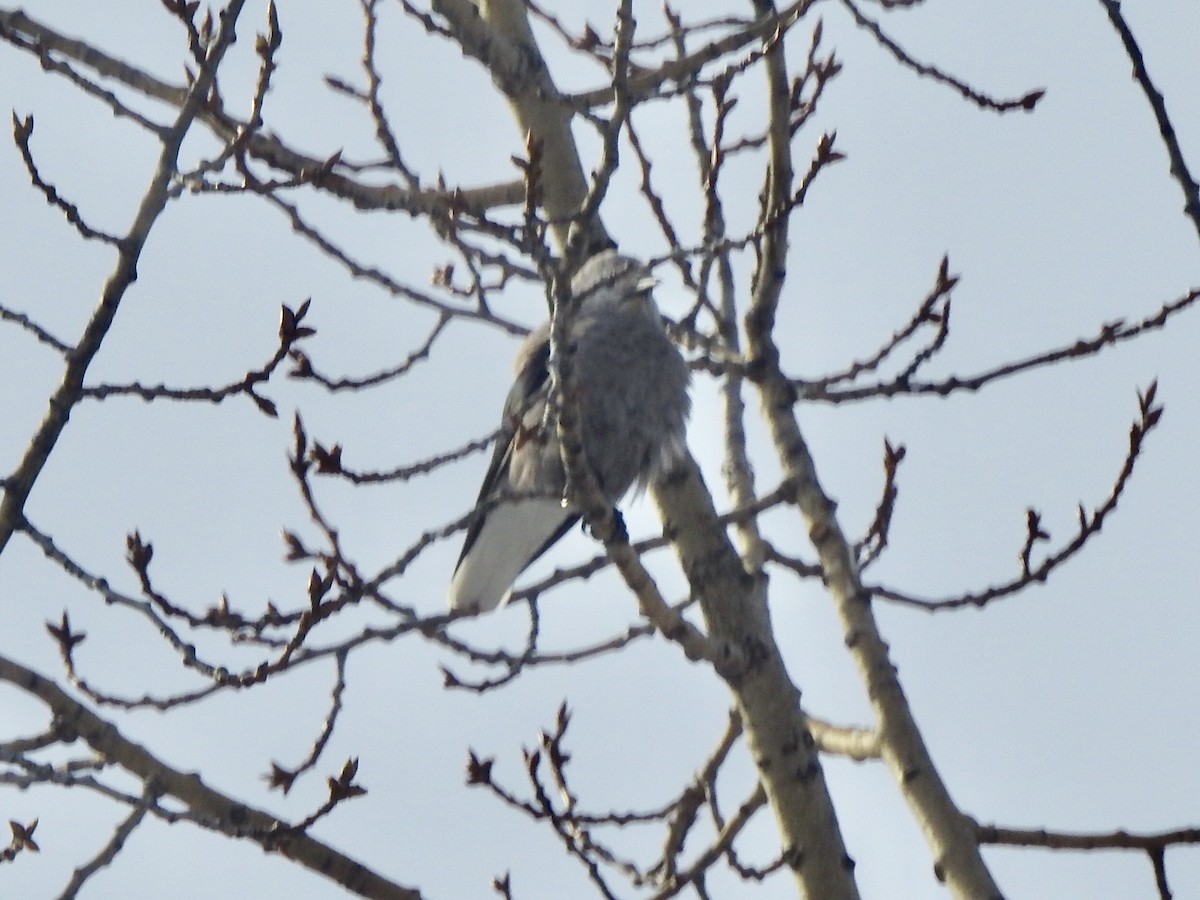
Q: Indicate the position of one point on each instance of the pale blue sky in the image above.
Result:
(1073, 706)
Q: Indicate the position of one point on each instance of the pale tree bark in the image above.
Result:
(560, 225)
(732, 598)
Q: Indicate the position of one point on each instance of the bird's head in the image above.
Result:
(609, 279)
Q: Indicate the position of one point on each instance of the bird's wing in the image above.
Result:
(533, 376)
(507, 535)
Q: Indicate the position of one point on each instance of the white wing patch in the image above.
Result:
(512, 533)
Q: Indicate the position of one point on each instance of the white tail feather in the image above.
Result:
(512, 533)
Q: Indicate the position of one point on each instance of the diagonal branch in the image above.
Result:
(1109, 335)
(110, 850)
(925, 70)
(219, 811)
(498, 35)
(958, 862)
(1179, 167)
(69, 391)
(27, 33)
(43, 336)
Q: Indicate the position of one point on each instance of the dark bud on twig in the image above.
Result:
(479, 771)
(280, 778)
(67, 640)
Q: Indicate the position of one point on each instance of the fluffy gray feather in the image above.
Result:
(633, 403)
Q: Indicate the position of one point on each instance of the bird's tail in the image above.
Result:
(511, 535)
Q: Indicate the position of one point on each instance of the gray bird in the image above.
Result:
(633, 403)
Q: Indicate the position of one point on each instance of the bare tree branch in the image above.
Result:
(20, 483)
(1179, 167)
(220, 812)
(1027, 102)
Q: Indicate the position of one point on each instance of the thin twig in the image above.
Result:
(1179, 167)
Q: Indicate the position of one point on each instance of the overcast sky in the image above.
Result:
(1073, 706)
